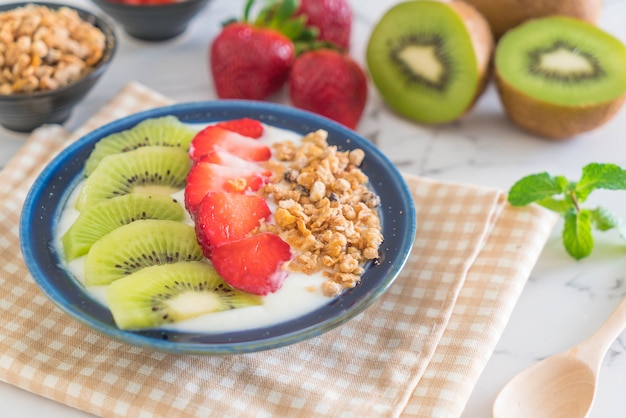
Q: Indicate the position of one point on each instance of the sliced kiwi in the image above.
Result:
(559, 76)
(102, 218)
(430, 59)
(152, 170)
(162, 131)
(137, 245)
(170, 293)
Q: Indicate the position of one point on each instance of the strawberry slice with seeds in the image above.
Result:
(213, 138)
(253, 264)
(230, 160)
(205, 177)
(251, 128)
(224, 217)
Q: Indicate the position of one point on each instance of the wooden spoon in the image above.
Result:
(563, 385)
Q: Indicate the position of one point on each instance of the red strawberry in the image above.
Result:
(226, 158)
(247, 127)
(253, 264)
(329, 83)
(251, 59)
(224, 217)
(213, 138)
(333, 18)
(249, 62)
(205, 177)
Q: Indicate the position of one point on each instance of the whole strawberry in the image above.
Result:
(332, 18)
(330, 83)
(252, 59)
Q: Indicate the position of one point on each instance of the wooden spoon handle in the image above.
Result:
(593, 349)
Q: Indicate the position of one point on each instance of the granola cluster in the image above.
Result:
(44, 49)
(325, 210)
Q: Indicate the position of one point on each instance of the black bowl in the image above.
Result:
(153, 22)
(48, 195)
(23, 112)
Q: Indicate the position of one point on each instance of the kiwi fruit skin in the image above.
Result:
(147, 299)
(504, 15)
(552, 120)
(481, 39)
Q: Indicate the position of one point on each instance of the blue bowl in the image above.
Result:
(51, 190)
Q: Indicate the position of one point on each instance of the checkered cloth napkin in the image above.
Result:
(417, 351)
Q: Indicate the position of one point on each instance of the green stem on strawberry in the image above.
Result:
(279, 15)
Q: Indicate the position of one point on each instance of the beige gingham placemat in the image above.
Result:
(417, 351)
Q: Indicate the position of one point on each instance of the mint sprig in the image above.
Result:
(566, 198)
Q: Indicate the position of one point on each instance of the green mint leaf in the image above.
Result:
(604, 220)
(536, 187)
(577, 236)
(556, 205)
(600, 176)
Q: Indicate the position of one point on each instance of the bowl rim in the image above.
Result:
(100, 21)
(342, 308)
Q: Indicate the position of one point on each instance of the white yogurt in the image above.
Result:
(299, 295)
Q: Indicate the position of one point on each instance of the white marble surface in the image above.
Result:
(564, 300)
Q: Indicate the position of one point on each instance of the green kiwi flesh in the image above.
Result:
(165, 294)
(151, 170)
(100, 219)
(422, 60)
(137, 245)
(162, 131)
(564, 61)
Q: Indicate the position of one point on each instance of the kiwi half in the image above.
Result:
(503, 15)
(137, 245)
(102, 218)
(151, 170)
(170, 293)
(430, 59)
(559, 76)
(162, 131)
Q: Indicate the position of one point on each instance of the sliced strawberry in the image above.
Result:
(205, 177)
(230, 160)
(251, 128)
(213, 138)
(224, 217)
(253, 264)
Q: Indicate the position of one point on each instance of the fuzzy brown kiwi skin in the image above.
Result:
(550, 120)
(482, 40)
(503, 15)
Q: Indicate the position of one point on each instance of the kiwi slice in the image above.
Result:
(137, 245)
(430, 59)
(170, 293)
(559, 76)
(162, 131)
(151, 170)
(102, 218)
